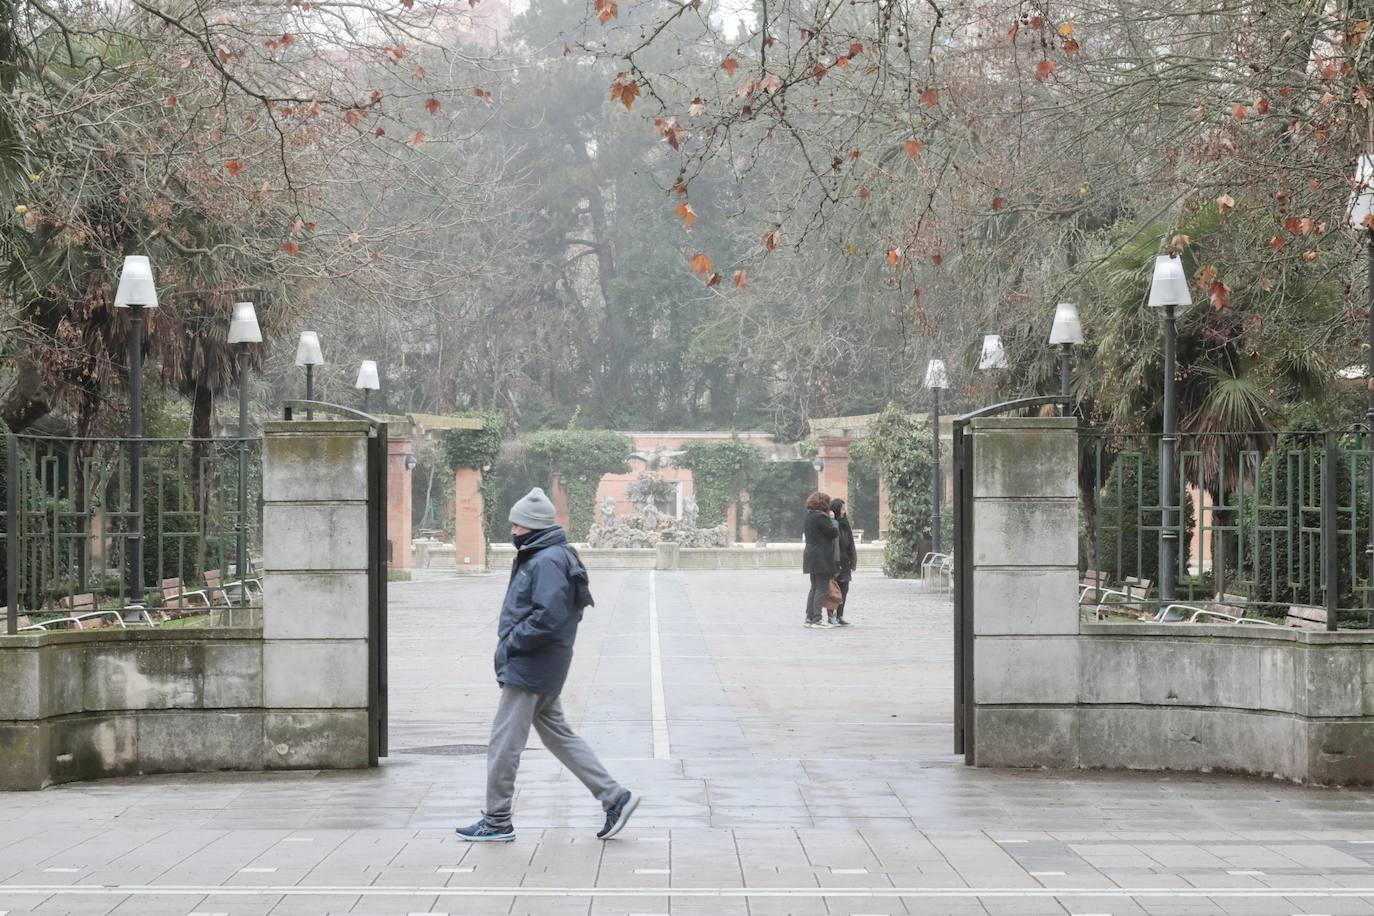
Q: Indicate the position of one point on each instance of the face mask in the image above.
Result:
(520, 540)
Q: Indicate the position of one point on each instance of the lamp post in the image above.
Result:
(1066, 333)
(993, 357)
(1362, 217)
(136, 292)
(243, 330)
(1168, 289)
(367, 380)
(309, 355)
(936, 380)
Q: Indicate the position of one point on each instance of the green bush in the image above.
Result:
(901, 443)
(719, 471)
(581, 457)
(777, 499)
(1128, 531)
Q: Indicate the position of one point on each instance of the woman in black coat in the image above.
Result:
(849, 560)
(821, 558)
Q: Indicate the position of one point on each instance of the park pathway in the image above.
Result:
(787, 771)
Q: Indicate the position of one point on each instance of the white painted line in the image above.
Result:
(1245, 872)
(1049, 874)
(456, 869)
(63, 871)
(197, 913)
(848, 871)
(1005, 842)
(732, 893)
(257, 871)
(662, 749)
(298, 839)
(1361, 842)
(653, 871)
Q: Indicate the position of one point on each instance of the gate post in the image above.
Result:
(1025, 591)
(316, 594)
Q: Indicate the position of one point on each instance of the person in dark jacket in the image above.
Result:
(547, 591)
(849, 560)
(820, 560)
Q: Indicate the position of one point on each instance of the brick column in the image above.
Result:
(315, 618)
(1025, 590)
(834, 453)
(558, 495)
(469, 520)
(398, 508)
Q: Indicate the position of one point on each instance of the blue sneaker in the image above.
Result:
(618, 814)
(484, 831)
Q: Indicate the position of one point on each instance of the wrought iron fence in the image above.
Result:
(1267, 525)
(80, 528)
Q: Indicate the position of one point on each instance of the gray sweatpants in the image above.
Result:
(517, 711)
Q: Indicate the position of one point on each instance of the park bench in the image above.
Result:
(87, 613)
(1131, 596)
(937, 563)
(24, 622)
(230, 593)
(177, 601)
(1304, 617)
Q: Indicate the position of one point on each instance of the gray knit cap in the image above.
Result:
(534, 511)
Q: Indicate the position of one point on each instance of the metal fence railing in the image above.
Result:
(82, 533)
(1274, 527)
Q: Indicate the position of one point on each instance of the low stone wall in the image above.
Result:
(1296, 704)
(87, 704)
(670, 556)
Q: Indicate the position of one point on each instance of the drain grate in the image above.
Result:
(447, 750)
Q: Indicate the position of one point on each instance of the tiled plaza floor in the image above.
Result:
(792, 771)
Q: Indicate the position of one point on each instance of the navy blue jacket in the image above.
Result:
(539, 617)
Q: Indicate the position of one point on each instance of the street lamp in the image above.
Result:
(1066, 333)
(136, 292)
(936, 380)
(243, 330)
(1362, 217)
(367, 379)
(309, 355)
(1168, 289)
(993, 357)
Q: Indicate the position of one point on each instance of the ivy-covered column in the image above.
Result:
(469, 453)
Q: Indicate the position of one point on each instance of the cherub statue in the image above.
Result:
(689, 512)
(608, 512)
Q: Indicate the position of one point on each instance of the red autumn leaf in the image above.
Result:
(856, 49)
(291, 248)
(670, 130)
(701, 265)
(741, 280)
(1285, 92)
(418, 72)
(714, 281)
(930, 98)
(353, 116)
(234, 166)
(1226, 203)
(894, 257)
(1044, 69)
(606, 10)
(1238, 111)
(998, 202)
(686, 214)
(864, 193)
(854, 154)
(417, 138)
(1277, 241)
(379, 132)
(913, 148)
(482, 94)
(171, 101)
(937, 259)
(842, 62)
(1262, 105)
(770, 239)
(680, 189)
(1309, 256)
(286, 40)
(1071, 46)
(1180, 242)
(624, 90)
(818, 71)
(1293, 224)
(1220, 294)
(729, 65)
(1037, 23)
(698, 107)
(432, 105)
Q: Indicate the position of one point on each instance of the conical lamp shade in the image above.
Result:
(136, 283)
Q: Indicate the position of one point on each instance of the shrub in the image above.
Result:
(901, 444)
(719, 471)
(581, 457)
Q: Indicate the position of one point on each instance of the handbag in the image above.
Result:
(833, 596)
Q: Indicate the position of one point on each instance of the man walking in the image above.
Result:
(544, 600)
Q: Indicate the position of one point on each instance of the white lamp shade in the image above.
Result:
(367, 376)
(1362, 200)
(308, 351)
(1170, 285)
(936, 377)
(1066, 329)
(136, 284)
(243, 327)
(993, 356)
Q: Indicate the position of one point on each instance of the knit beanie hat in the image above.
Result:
(534, 511)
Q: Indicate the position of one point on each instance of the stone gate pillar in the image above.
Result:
(315, 617)
(398, 508)
(1025, 591)
(834, 454)
(469, 520)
